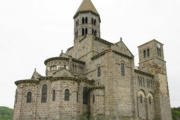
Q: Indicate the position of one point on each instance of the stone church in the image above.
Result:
(96, 78)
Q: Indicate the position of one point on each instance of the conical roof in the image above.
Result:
(85, 6)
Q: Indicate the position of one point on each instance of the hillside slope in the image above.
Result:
(6, 113)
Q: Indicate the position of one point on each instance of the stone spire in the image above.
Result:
(87, 6)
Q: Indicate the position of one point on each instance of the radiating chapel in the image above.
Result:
(96, 79)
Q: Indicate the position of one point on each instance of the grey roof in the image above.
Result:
(87, 5)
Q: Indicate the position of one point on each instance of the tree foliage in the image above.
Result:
(6, 113)
(176, 113)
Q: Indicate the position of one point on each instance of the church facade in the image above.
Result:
(96, 78)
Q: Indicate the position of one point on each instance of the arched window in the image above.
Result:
(159, 51)
(150, 100)
(141, 99)
(141, 104)
(44, 94)
(93, 98)
(86, 31)
(99, 71)
(95, 32)
(54, 67)
(94, 22)
(144, 53)
(122, 69)
(66, 95)
(148, 52)
(83, 20)
(85, 95)
(86, 20)
(29, 97)
(83, 31)
(54, 95)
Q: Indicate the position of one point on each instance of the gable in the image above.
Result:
(63, 73)
(121, 48)
(36, 75)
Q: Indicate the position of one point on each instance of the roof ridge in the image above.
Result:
(87, 5)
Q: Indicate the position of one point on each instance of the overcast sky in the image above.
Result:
(34, 30)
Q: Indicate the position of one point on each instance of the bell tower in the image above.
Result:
(151, 60)
(151, 57)
(86, 21)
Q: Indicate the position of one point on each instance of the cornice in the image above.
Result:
(103, 41)
(97, 87)
(121, 54)
(26, 81)
(52, 79)
(144, 73)
(87, 11)
(55, 58)
(99, 54)
(63, 58)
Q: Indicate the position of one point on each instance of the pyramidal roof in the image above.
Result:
(87, 5)
(36, 75)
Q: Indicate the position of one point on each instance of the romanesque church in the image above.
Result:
(96, 79)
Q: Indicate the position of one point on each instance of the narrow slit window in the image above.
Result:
(86, 31)
(93, 98)
(44, 94)
(86, 20)
(122, 69)
(83, 20)
(159, 51)
(29, 97)
(94, 22)
(150, 100)
(99, 71)
(83, 31)
(54, 95)
(148, 52)
(85, 95)
(66, 95)
(141, 99)
(144, 53)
